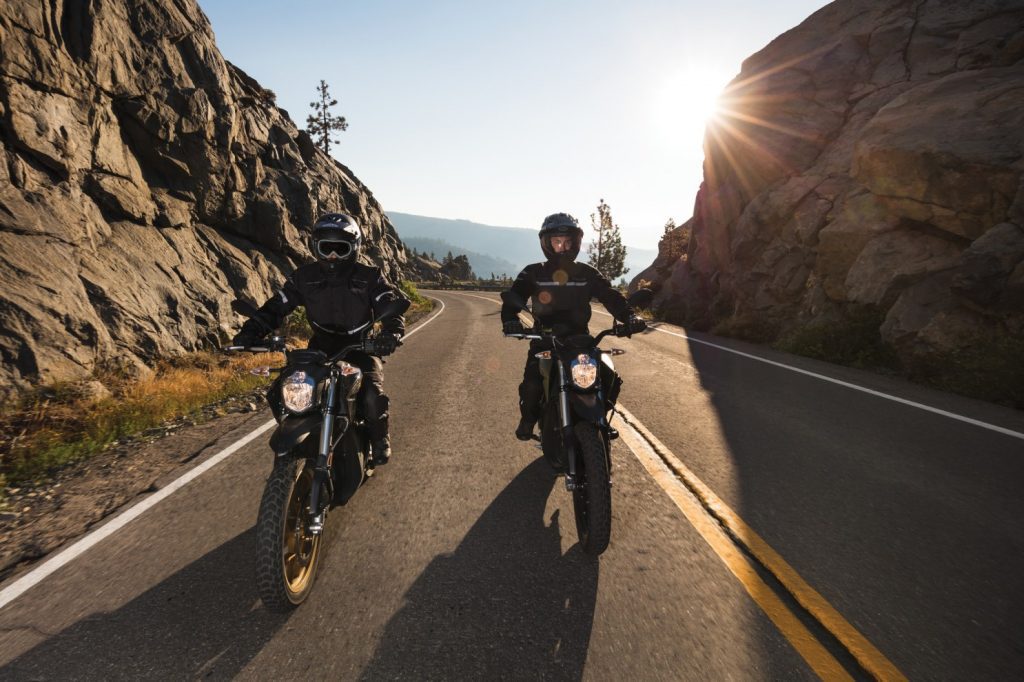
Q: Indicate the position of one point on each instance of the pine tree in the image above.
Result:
(321, 124)
(607, 253)
(673, 242)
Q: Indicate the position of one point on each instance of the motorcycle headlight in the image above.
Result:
(297, 391)
(584, 371)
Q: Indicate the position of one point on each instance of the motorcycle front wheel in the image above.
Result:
(592, 497)
(287, 555)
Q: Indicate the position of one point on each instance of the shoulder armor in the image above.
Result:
(366, 270)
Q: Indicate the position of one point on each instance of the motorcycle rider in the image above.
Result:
(561, 289)
(340, 296)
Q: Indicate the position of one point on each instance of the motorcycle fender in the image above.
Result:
(293, 431)
(349, 466)
(587, 406)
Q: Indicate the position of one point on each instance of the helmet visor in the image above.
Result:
(325, 248)
(565, 244)
(561, 243)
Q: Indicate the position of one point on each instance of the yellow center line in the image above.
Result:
(867, 655)
(806, 644)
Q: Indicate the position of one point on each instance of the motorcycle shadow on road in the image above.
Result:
(506, 604)
(198, 622)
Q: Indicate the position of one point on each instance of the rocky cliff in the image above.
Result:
(144, 182)
(868, 164)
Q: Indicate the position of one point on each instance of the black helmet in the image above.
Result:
(559, 225)
(335, 233)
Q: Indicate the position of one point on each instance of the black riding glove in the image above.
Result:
(247, 339)
(513, 327)
(386, 343)
(628, 328)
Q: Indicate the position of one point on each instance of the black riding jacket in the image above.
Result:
(561, 294)
(340, 300)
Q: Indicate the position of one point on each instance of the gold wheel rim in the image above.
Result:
(299, 549)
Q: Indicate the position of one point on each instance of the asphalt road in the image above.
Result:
(459, 559)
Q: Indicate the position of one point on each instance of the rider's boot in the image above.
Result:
(525, 429)
(381, 452)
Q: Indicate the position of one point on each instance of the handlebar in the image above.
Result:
(276, 345)
(368, 346)
(618, 330)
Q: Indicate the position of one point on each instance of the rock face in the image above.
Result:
(871, 158)
(144, 183)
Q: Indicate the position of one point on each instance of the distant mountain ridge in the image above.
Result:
(482, 264)
(516, 245)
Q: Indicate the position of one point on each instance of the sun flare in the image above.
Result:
(685, 102)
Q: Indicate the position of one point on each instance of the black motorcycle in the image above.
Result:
(322, 454)
(580, 390)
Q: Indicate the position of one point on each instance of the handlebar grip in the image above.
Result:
(251, 349)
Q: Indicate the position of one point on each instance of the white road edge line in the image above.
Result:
(119, 521)
(846, 384)
(36, 575)
(430, 319)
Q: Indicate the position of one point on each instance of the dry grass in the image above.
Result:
(58, 425)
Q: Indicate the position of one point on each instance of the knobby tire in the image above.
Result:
(284, 493)
(593, 501)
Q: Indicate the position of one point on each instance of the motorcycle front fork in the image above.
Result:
(565, 417)
(325, 454)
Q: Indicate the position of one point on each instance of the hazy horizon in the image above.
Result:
(532, 230)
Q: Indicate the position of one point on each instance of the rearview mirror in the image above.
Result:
(244, 308)
(641, 298)
(513, 299)
(393, 308)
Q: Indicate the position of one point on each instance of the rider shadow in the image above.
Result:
(506, 604)
(199, 622)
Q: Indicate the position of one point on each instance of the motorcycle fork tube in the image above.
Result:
(565, 414)
(321, 472)
(327, 429)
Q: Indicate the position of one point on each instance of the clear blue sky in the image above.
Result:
(502, 113)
